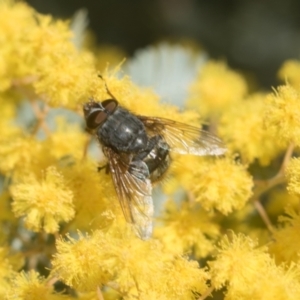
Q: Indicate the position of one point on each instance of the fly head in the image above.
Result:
(96, 113)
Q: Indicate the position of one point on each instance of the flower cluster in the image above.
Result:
(223, 225)
(216, 88)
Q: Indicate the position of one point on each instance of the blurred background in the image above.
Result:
(255, 36)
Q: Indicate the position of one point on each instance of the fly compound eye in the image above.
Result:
(91, 111)
(96, 113)
(110, 105)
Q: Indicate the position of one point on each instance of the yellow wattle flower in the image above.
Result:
(216, 88)
(43, 203)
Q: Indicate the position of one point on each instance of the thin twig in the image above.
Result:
(24, 87)
(207, 293)
(287, 157)
(260, 209)
(99, 293)
(265, 185)
(21, 82)
(52, 281)
(40, 115)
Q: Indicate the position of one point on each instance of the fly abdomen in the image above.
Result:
(156, 157)
(158, 161)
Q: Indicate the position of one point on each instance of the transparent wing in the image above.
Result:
(134, 191)
(183, 138)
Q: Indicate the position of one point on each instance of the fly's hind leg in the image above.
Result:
(106, 167)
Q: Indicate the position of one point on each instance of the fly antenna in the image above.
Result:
(107, 89)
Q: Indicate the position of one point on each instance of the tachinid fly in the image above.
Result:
(137, 149)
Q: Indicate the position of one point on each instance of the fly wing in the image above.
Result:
(183, 138)
(134, 190)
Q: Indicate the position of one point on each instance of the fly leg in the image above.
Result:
(106, 167)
